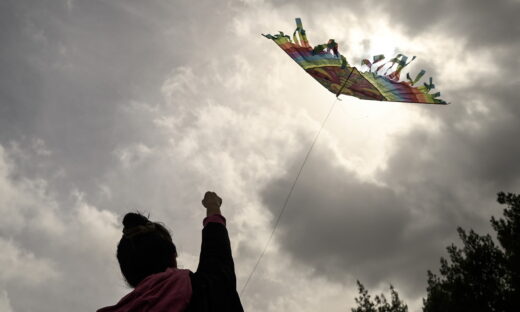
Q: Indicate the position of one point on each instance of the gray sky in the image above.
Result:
(111, 106)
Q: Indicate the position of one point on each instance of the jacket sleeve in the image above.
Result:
(214, 282)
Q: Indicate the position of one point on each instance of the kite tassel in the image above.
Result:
(344, 62)
(378, 58)
(301, 33)
(400, 60)
(367, 63)
(417, 78)
(429, 86)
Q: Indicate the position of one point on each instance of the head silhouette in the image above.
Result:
(146, 248)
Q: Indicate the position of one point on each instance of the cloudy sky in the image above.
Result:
(115, 106)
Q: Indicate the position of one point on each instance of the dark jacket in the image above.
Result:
(214, 282)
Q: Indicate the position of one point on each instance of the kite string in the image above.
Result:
(289, 195)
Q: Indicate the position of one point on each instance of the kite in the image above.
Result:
(381, 82)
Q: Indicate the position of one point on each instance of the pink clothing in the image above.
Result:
(170, 290)
(166, 291)
(217, 218)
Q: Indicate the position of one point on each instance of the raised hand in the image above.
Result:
(212, 202)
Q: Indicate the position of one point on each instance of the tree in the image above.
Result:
(481, 276)
(379, 304)
(508, 234)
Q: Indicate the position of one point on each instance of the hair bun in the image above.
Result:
(133, 219)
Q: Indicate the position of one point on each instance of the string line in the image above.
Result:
(289, 195)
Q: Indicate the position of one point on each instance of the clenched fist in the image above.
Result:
(212, 203)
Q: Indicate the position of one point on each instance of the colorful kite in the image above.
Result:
(331, 69)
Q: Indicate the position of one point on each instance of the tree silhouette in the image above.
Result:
(481, 276)
(379, 304)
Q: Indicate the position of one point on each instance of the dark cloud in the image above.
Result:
(480, 23)
(346, 228)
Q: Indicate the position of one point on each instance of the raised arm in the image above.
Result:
(215, 254)
(214, 282)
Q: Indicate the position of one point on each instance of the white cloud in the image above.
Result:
(24, 268)
(43, 243)
(5, 304)
(131, 156)
(20, 197)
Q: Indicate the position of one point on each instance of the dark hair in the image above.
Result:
(146, 248)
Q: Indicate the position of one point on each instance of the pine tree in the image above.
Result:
(379, 304)
(481, 276)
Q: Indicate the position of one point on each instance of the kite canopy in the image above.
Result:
(331, 69)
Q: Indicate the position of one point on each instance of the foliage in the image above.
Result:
(481, 276)
(379, 304)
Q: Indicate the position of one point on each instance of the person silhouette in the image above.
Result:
(147, 257)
